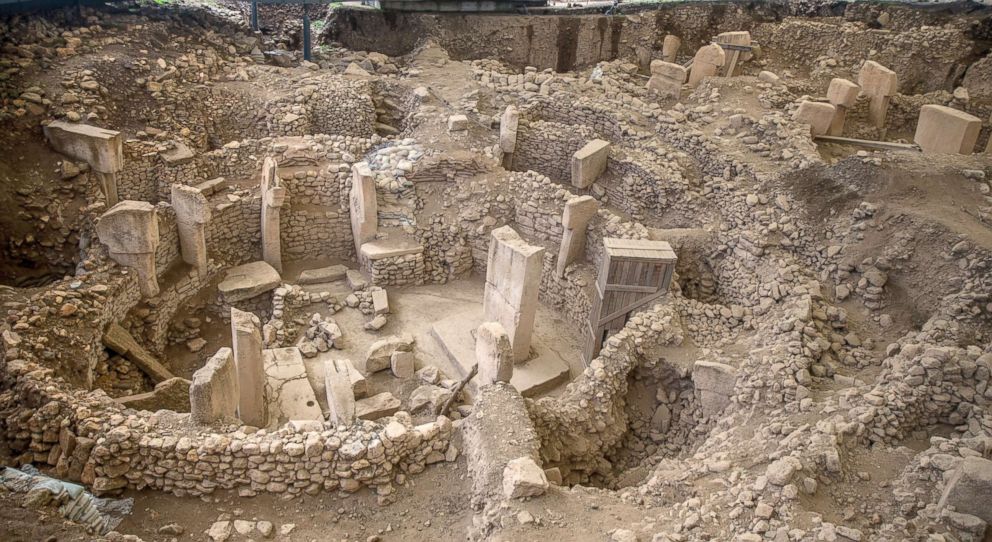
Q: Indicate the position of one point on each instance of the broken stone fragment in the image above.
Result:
(522, 477)
(381, 351)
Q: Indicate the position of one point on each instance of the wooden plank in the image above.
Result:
(630, 308)
(119, 340)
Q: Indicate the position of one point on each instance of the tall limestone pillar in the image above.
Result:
(273, 198)
(130, 231)
(578, 212)
(246, 340)
(192, 215)
(513, 281)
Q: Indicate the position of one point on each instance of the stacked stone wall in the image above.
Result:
(547, 147)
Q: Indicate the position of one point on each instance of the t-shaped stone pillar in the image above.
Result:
(364, 207)
(818, 115)
(513, 280)
(213, 395)
(493, 353)
(670, 48)
(130, 231)
(273, 197)
(102, 149)
(246, 340)
(192, 214)
(706, 63)
(578, 212)
(735, 56)
(880, 84)
(589, 162)
(842, 94)
(943, 130)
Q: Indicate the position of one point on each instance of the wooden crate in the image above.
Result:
(633, 274)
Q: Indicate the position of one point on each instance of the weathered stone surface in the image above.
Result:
(943, 130)
(513, 278)
(213, 394)
(403, 364)
(589, 162)
(364, 208)
(707, 63)
(324, 274)
(880, 84)
(287, 389)
(171, 394)
(818, 115)
(715, 384)
(970, 488)
(670, 48)
(340, 395)
(273, 198)
(102, 149)
(130, 231)
(381, 352)
(247, 347)
(508, 124)
(378, 406)
(193, 212)
(248, 281)
(493, 353)
(522, 477)
(575, 218)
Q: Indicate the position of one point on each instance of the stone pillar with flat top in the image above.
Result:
(879, 84)
(192, 215)
(513, 280)
(130, 232)
(578, 212)
(273, 197)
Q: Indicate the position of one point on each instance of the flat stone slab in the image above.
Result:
(324, 274)
(378, 406)
(177, 155)
(248, 280)
(287, 388)
(540, 374)
(390, 248)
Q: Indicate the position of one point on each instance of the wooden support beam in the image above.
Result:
(884, 145)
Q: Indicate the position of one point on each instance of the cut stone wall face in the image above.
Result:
(364, 208)
(213, 396)
(575, 218)
(192, 214)
(589, 162)
(246, 337)
(945, 130)
(130, 231)
(493, 353)
(706, 63)
(513, 279)
(273, 198)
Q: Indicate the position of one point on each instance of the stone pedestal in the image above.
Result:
(578, 212)
(192, 215)
(513, 279)
(130, 231)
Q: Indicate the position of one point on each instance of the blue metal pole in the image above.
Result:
(306, 32)
(254, 15)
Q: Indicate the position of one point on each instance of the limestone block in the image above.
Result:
(575, 218)
(589, 162)
(970, 488)
(508, 124)
(522, 477)
(102, 149)
(945, 130)
(818, 115)
(246, 338)
(403, 364)
(171, 394)
(706, 63)
(842, 92)
(378, 406)
(130, 231)
(364, 208)
(340, 395)
(323, 274)
(273, 198)
(666, 79)
(513, 278)
(380, 352)
(213, 395)
(130, 227)
(493, 353)
(247, 281)
(380, 301)
(715, 384)
(192, 213)
(457, 123)
(880, 84)
(670, 48)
